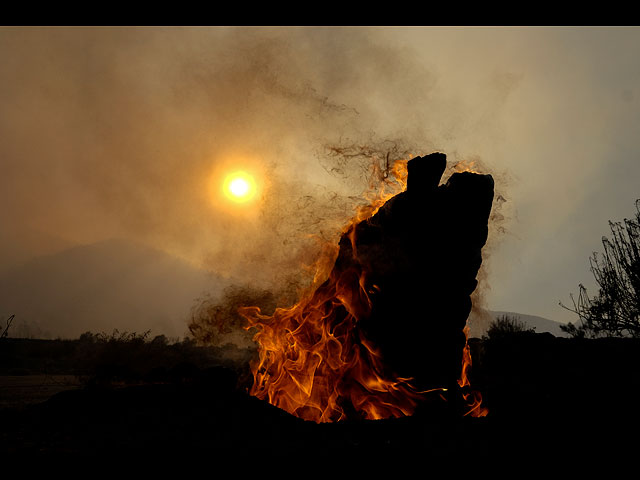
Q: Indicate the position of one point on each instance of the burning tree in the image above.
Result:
(384, 330)
(615, 311)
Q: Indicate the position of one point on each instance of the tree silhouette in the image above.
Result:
(615, 310)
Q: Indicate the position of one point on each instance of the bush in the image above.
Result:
(506, 326)
(615, 310)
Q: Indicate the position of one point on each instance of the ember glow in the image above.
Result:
(314, 363)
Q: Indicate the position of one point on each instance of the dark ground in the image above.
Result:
(549, 399)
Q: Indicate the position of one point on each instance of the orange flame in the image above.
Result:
(313, 362)
(398, 173)
(472, 398)
(465, 166)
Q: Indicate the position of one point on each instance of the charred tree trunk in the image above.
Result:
(421, 253)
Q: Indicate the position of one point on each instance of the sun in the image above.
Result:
(239, 187)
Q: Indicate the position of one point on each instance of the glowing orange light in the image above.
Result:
(312, 361)
(239, 187)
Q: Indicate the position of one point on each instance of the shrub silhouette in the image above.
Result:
(506, 326)
(615, 310)
(120, 358)
(132, 357)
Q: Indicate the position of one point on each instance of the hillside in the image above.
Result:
(540, 324)
(20, 243)
(108, 285)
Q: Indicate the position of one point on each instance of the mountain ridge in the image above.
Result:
(539, 324)
(107, 285)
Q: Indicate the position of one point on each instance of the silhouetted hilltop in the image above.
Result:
(480, 320)
(115, 284)
(20, 243)
(540, 324)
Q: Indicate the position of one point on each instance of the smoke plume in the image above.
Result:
(127, 132)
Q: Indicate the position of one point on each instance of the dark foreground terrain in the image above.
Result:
(549, 399)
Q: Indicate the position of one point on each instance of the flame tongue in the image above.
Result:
(328, 357)
(314, 362)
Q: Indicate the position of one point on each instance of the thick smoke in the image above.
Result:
(119, 132)
(127, 132)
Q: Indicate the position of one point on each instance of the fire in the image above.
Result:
(313, 362)
(465, 166)
(472, 398)
(399, 173)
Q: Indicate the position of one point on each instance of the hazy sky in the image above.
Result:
(127, 132)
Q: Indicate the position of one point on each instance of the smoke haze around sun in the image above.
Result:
(121, 132)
